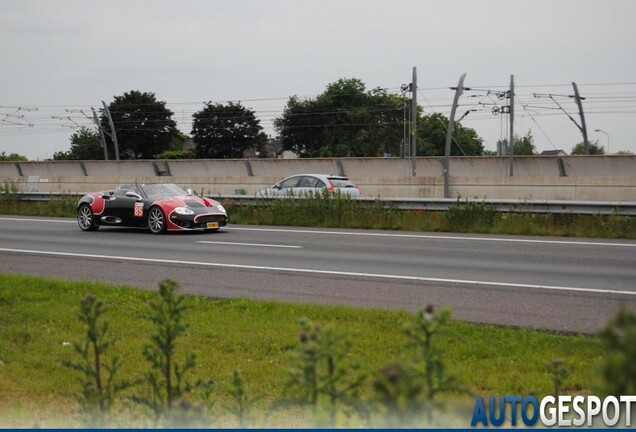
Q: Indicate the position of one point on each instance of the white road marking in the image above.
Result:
(325, 272)
(250, 244)
(38, 220)
(436, 237)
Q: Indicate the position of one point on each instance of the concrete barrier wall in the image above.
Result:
(597, 178)
(207, 167)
(609, 166)
(524, 166)
(8, 169)
(51, 169)
(134, 168)
(530, 188)
(285, 167)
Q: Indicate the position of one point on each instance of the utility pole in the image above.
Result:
(512, 122)
(449, 135)
(113, 134)
(577, 97)
(101, 133)
(414, 122)
(583, 127)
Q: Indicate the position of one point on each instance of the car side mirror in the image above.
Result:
(276, 186)
(131, 194)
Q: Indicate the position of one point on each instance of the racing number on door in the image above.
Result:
(139, 209)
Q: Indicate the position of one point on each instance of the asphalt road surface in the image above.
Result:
(561, 284)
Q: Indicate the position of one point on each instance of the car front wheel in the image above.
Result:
(156, 221)
(86, 218)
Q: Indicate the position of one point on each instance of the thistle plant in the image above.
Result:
(408, 386)
(241, 403)
(619, 363)
(167, 376)
(559, 373)
(320, 375)
(99, 386)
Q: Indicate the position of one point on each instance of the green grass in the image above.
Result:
(472, 217)
(37, 315)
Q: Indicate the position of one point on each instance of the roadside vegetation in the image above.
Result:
(464, 217)
(339, 211)
(84, 354)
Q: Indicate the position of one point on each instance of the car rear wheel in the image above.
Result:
(86, 218)
(156, 221)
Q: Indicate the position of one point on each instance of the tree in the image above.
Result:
(524, 145)
(594, 147)
(12, 157)
(345, 120)
(226, 131)
(144, 125)
(432, 138)
(85, 145)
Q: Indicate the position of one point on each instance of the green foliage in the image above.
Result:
(86, 144)
(177, 154)
(343, 121)
(470, 216)
(340, 211)
(432, 138)
(12, 157)
(241, 404)
(524, 145)
(619, 365)
(594, 148)
(37, 314)
(348, 121)
(407, 388)
(226, 131)
(559, 373)
(320, 373)
(167, 377)
(99, 386)
(9, 192)
(143, 124)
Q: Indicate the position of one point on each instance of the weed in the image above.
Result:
(619, 366)
(559, 373)
(320, 375)
(167, 377)
(99, 386)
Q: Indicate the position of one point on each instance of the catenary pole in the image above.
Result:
(577, 96)
(112, 128)
(511, 145)
(101, 133)
(449, 135)
(414, 123)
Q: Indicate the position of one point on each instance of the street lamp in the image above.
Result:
(607, 135)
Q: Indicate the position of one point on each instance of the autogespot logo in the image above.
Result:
(561, 411)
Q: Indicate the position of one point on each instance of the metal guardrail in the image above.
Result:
(430, 204)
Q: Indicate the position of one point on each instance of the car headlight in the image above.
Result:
(183, 211)
(219, 208)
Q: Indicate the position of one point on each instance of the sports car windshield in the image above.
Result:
(157, 191)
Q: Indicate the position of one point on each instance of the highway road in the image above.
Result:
(561, 284)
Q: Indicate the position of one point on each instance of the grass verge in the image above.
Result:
(342, 212)
(38, 319)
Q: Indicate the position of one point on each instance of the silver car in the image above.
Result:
(305, 184)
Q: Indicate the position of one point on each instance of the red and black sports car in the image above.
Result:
(159, 207)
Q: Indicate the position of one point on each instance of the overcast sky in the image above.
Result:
(63, 57)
